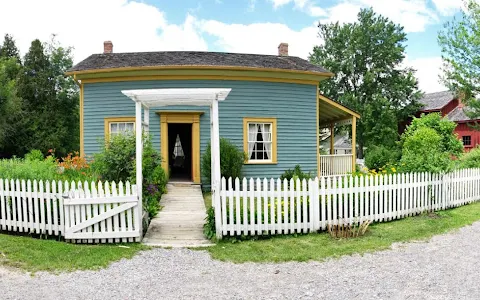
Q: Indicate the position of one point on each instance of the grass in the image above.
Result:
(207, 198)
(31, 254)
(321, 246)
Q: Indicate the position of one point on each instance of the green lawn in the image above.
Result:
(320, 246)
(33, 254)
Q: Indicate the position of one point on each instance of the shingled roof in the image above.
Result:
(191, 58)
(436, 101)
(458, 115)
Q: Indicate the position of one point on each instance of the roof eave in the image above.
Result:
(198, 67)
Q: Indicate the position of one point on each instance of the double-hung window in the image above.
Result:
(467, 140)
(119, 125)
(260, 140)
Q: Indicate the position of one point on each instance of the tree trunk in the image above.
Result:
(360, 150)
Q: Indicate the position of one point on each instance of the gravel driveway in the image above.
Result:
(446, 267)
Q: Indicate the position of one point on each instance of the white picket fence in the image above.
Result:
(79, 212)
(256, 207)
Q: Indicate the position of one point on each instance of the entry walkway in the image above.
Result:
(180, 222)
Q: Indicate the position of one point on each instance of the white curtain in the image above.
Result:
(252, 138)
(178, 151)
(266, 137)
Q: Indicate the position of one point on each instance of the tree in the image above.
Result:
(429, 143)
(366, 58)
(50, 100)
(9, 49)
(460, 44)
(10, 103)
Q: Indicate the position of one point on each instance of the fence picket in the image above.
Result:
(102, 211)
(285, 207)
(245, 206)
(237, 207)
(251, 199)
(128, 192)
(115, 219)
(279, 221)
(123, 214)
(323, 203)
(231, 220)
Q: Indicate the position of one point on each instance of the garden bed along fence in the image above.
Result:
(79, 212)
(256, 207)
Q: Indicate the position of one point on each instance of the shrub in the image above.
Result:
(45, 169)
(231, 161)
(34, 155)
(423, 152)
(117, 161)
(443, 127)
(470, 159)
(209, 229)
(295, 173)
(378, 157)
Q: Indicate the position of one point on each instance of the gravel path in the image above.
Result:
(446, 267)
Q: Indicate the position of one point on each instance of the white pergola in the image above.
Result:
(148, 98)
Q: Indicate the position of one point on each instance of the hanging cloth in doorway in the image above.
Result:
(178, 150)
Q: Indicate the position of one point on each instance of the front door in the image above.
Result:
(180, 160)
(180, 151)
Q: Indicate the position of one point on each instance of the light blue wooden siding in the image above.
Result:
(292, 104)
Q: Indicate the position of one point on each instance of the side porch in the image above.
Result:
(341, 157)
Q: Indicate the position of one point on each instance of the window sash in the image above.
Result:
(116, 128)
(266, 130)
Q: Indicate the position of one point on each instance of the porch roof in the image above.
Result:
(183, 96)
(334, 112)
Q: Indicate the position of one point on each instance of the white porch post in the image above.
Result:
(212, 155)
(139, 162)
(215, 147)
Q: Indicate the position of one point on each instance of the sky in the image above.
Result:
(245, 26)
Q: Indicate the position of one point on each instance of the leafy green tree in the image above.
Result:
(10, 103)
(366, 58)
(8, 49)
(460, 44)
(50, 101)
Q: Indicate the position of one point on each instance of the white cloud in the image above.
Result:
(261, 38)
(414, 15)
(428, 73)
(307, 6)
(130, 25)
(448, 7)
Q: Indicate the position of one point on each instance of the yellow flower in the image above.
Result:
(394, 170)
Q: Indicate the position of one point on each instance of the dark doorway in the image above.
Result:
(180, 151)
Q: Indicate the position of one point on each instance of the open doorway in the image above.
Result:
(180, 151)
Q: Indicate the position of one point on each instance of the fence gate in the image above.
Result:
(106, 213)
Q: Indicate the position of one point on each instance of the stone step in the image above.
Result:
(177, 243)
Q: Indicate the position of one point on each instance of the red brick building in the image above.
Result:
(452, 108)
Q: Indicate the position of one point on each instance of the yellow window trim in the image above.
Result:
(247, 120)
(109, 120)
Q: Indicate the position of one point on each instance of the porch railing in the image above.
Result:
(337, 164)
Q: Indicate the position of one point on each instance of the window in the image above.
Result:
(260, 140)
(119, 125)
(467, 140)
